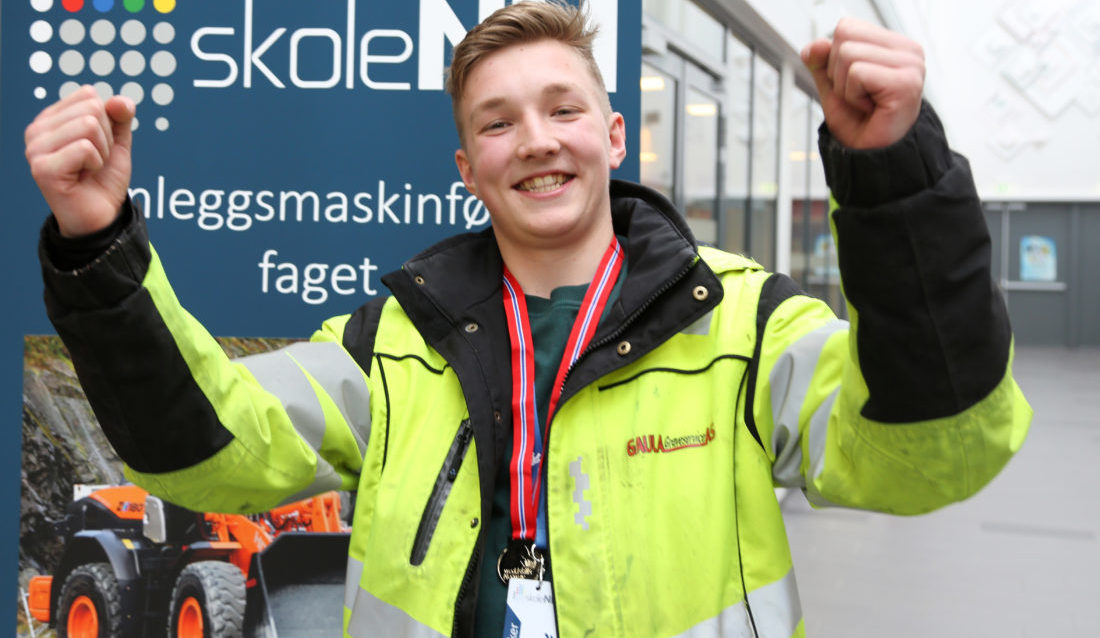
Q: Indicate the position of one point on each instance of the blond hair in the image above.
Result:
(522, 23)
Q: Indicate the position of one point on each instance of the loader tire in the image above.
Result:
(89, 605)
(207, 601)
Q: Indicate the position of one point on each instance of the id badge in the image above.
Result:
(530, 610)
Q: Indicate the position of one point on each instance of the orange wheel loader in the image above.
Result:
(137, 566)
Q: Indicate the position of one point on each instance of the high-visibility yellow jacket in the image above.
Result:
(708, 383)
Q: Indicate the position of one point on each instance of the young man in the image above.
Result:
(581, 398)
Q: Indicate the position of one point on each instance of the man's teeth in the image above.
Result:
(542, 184)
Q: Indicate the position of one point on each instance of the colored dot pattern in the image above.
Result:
(134, 91)
(71, 62)
(163, 63)
(71, 32)
(41, 62)
(101, 63)
(164, 32)
(163, 94)
(132, 63)
(41, 31)
(102, 32)
(82, 49)
(132, 32)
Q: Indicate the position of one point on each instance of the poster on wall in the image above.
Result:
(1038, 258)
(286, 156)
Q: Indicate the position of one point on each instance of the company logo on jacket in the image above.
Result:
(663, 444)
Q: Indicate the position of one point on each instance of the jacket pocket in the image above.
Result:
(442, 489)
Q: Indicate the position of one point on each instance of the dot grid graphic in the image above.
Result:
(117, 47)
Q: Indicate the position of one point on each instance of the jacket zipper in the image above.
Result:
(668, 284)
(471, 569)
(442, 489)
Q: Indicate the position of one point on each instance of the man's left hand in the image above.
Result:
(870, 81)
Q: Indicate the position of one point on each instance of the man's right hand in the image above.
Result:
(79, 154)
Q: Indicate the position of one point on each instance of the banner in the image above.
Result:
(286, 154)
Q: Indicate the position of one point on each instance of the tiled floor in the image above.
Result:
(1020, 559)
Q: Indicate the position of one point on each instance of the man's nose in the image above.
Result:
(537, 139)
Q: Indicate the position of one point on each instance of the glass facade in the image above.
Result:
(719, 136)
(813, 252)
(657, 150)
(760, 228)
(701, 113)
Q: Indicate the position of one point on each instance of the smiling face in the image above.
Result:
(539, 143)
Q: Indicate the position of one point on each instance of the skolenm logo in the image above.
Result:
(118, 47)
(659, 444)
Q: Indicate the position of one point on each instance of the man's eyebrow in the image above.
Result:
(486, 105)
(549, 90)
(559, 87)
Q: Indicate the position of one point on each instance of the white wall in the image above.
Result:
(1017, 83)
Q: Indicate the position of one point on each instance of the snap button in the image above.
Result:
(498, 416)
(700, 293)
(473, 523)
(419, 280)
(471, 327)
(624, 348)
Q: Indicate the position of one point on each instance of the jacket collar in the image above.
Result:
(452, 278)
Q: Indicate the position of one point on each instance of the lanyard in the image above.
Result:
(525, 470)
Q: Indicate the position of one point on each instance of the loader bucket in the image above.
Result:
(299, 589)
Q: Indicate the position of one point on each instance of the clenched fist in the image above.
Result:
(79, 154)
(870, 81)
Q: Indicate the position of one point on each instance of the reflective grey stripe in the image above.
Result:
(776, 608)
(790, 380)
(819, 430)
(281, 373)
(776, 611)
(343, 380)
(582, 482)
(371, 616)
(733, 622)
(351, 581)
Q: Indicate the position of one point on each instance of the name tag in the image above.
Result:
(530, 610)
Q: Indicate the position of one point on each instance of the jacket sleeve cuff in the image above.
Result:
(868, 178)
(95, 271)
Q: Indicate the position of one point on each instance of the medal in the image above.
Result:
(520, 559)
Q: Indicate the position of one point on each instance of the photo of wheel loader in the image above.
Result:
(136, 566)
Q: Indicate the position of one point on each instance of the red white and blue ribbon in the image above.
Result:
(525, 469)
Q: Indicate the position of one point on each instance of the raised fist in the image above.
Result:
(870, 81)
(79, 154)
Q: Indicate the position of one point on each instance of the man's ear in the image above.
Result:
(463, 164)
(617, 132)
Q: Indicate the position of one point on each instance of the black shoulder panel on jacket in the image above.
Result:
(360, 331)
(777, 289)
